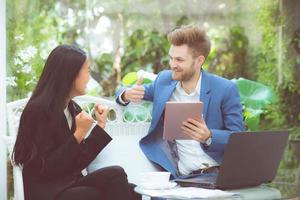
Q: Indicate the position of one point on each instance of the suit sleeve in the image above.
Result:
(149, 92)
(52, 160)
(232, 117)
(92, 146)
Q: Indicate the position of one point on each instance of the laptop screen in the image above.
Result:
(251, 158)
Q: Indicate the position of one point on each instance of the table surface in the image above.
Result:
(287, 190)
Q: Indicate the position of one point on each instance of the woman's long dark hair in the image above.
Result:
(51, 93)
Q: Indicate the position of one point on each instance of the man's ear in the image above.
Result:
(201, 59)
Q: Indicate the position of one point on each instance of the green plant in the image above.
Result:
(255, 97)
(295, 133)
(34, 29)
(229, 55)
(145, 49)
(131, 77)
(296, 41)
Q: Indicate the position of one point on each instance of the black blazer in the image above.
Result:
(59, 159)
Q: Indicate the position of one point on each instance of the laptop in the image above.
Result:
(250, 159)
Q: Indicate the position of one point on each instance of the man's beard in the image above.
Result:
(184, 76)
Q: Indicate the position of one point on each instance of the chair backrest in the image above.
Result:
(14, 111)
(17, 170)
(121, 151)
(126, 132)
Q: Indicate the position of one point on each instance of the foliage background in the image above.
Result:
(257, 40)
(254, 40)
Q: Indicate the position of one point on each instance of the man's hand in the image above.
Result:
(135, 93)
(101, 112)
(196, 129)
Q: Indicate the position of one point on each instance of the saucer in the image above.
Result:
(157, 186)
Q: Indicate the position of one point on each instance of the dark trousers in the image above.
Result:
(109, 183)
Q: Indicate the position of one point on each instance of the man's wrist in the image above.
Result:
(121, 98)
(209, 139)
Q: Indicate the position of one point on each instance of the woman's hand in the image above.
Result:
(101, 114)
(83, 124)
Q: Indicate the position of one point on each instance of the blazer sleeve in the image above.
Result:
(92, 146)
(232, 117)
(149, 91)
(52, 160)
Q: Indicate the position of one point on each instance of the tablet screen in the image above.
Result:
(175, 113)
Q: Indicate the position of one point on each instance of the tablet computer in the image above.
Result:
(175, 113)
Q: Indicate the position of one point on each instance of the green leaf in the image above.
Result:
(252, 123)
(252, 118)
(130, 78)
(255, 97)
(253, 94)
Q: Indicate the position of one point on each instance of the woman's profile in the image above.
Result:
(57, 140)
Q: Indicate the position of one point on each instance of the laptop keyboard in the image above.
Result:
(210, 178)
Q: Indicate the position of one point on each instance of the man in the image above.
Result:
(187, 81)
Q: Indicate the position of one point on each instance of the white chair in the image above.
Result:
(14, 111)
(123, 150)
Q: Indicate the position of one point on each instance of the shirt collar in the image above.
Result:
(196, 91)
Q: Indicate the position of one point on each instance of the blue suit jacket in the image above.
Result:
(222, 113)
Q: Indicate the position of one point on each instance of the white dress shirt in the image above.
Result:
(191, 155)
(68, 117)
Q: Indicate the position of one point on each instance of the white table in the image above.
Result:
(259, 192)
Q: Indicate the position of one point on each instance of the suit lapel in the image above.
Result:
(205, 93)
(161, 153)
(166, 93)
(63, 128)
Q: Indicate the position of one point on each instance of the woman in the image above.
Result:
(52, 145)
